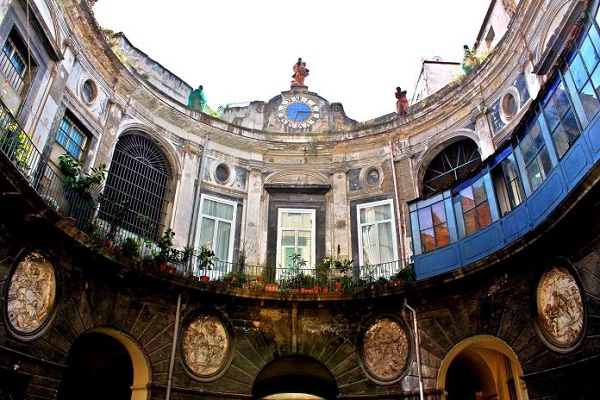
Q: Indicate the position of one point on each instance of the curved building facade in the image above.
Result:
(150, 249)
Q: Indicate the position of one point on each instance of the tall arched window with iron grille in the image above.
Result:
(137, 186)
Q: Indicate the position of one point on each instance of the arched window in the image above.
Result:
(136, 186)
(451, 164)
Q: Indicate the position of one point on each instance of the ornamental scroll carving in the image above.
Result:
(205, 345)
(31, 293)
(385, 349)
(560, 307)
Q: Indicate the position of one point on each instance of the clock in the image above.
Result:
(298, 112)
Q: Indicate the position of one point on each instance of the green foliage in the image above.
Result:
(130, 247)
(78, 181)
(206, 257)
(164, 244)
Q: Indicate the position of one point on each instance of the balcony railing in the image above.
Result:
(82, 211)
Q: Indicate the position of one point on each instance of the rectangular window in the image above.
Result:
(433, 226)
(583, 69)
(217, 227)
(507, 183)
(295, 235)
(376, 233)
(562, 123)
(14, 61)
(535, 155)
(71, 137)
(475, 207)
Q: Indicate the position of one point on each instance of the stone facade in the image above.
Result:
(525, 315)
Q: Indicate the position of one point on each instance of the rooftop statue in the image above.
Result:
(401, 101)
(197, 100)
(300, 72)
(469, 60)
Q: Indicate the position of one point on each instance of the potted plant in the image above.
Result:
(79, 188)
(206, 259)
(130, 247)
(186, 258)
(164, 244)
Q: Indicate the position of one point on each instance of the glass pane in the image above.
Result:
(470, 221)
(428, 240)
(589, 100)
(439, 213)
(588, 53)
(207, 231)
(578, 72)
(377, 213)
(441, 235)
(571, 126)
(536, 136)
(223, 237)
(560, 142)
(425, 220)
(594, 36)
(479, 192)
(561, 98)
(551, 114)
(304, 247)
(466, 199)
(527, 149)
(534, 175)
(288, 238)
(217, 209)
(483, 214)
(546, 164)
(296, 220)
(386, 246)
(596, 79)
(369, 243)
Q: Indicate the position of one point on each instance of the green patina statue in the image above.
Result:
(197, 100)
(469, 60)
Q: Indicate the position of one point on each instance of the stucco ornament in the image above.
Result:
(385, 349)
(560, 307)
(31, 293)
(205, 345)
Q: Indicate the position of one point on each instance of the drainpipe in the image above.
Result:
(196, 210)
(174, 347)
(418, 349)
(398, 209)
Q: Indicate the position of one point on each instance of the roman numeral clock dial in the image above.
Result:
(298, 112)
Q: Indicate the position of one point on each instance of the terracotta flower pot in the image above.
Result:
(204, 278)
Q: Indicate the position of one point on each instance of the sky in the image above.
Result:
(357, 51)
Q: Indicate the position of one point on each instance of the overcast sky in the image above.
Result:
(357, 51)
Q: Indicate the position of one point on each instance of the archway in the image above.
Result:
(457, 159)
(295, 377)
(105, 364)
(482, 367)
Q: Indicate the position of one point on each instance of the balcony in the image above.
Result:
(103, 223)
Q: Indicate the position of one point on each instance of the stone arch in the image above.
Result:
(489, 362)
(295, 374)
(150, 193)
(140, 365)
(437, 148)
(555, 13)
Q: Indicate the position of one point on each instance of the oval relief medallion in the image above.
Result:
(31, 294)
(385, 349)
(560, 307)
(205, 345)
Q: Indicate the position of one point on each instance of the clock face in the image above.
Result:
(298, 112)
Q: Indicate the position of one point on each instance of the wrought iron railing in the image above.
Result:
(82, 211)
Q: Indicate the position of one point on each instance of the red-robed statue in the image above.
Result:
(300, 72)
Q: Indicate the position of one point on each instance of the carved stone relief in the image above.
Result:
(205, 345)
(31, 293)
(385, 349)
(560, 307)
